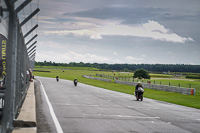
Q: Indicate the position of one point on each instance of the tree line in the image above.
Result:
(129, 67)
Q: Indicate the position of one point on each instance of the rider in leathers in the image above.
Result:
(136, 88)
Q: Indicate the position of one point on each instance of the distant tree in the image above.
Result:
(125, 70)
(131, 67)
(141, 73)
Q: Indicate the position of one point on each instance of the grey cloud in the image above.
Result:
(184, 25)
(132, 14)
(120, 13)
(180, 16)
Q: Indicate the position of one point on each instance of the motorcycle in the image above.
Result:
(57, 78)
(75, 82)
(139, 94)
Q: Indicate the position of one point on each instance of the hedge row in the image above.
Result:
(193, 76)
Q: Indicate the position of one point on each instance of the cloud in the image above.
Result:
(122, 11)
(96, 37)
(133, 60)
(151, 29)
(143, 55)
(115, 53)
(154, 26)
(86, 57)
(98, 29)
(70, 56)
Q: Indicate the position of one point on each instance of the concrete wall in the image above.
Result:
(186, 91)
(106, 80)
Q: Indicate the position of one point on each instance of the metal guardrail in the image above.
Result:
(186, 91)
(102, 79)
(15, 62)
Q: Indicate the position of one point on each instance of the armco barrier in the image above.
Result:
(186, 91)
(106, 80)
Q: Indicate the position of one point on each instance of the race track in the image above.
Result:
(88, 109)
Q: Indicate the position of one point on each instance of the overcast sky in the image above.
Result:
(119, 31)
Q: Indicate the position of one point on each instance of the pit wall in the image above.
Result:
(186, 91)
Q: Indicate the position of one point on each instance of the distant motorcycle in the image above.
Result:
(57, 78)
(139, 94)
(75, 82)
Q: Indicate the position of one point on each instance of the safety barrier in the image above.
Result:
(90, 77)
(17, 59)
(186, 91)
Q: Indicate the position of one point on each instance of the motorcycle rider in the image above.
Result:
(136, 88)
(57, 78)
(75, 82)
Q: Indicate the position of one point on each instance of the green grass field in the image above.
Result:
(70, 74)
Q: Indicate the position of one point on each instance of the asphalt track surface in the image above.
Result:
(88, 109)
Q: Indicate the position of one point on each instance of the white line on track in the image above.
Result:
(55, 119)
